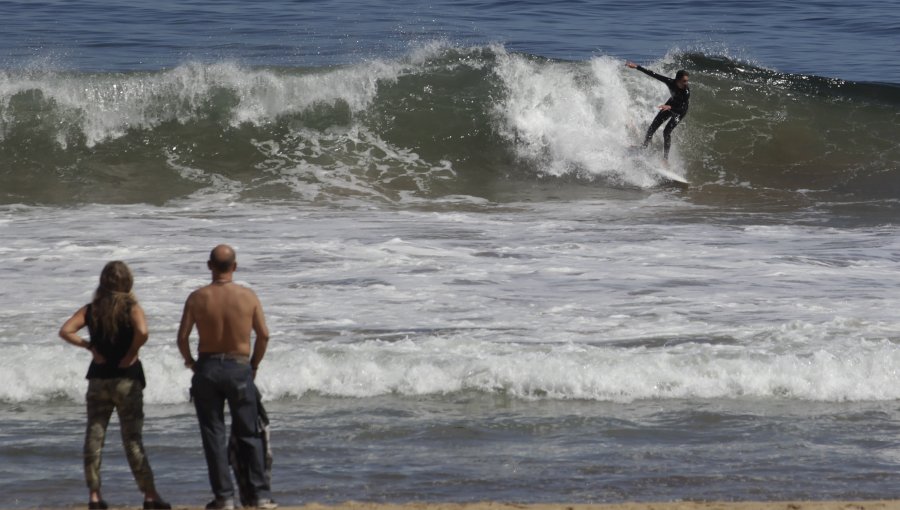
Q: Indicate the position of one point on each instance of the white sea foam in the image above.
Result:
(317, 164)
(573, 371)
(572, 119)
(421, 365)
(107, 106)
(606, 301)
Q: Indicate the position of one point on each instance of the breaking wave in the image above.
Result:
(441, 121)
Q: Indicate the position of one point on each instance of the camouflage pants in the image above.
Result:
(127, 398)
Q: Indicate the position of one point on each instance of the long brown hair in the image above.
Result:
(113, 299)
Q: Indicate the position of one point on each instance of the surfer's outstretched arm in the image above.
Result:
(650, 73)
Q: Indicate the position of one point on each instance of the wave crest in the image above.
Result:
(487, 114)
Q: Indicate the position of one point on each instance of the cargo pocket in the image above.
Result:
(240, 393)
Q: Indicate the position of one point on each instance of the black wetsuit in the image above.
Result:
(679, 102)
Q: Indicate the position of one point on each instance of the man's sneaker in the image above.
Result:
(266, 504)
(220, 504)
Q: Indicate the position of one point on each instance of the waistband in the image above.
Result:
(240, 358)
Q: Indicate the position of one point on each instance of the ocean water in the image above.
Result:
(477, 290)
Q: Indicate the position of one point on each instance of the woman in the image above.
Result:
(117, 329)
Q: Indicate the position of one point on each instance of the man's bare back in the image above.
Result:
(224, 313)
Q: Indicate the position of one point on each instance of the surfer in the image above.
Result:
(674, 110)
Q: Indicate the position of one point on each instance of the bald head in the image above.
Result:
(222, 259)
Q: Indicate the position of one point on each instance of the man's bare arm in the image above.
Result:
(184, 333)
(262, 335)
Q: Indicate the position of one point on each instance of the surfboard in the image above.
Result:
(669, 179)
(665, 178)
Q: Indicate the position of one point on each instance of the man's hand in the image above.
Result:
(630, 65)
(665, 107)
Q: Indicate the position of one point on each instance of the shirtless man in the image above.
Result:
(224, 314)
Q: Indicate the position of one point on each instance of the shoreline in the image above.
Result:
(636, 505)
(642, 505)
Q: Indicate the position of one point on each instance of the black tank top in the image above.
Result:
(113, 350)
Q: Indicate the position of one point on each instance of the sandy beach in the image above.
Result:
(679, 505)
(676, 505)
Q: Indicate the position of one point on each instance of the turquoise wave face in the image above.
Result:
(440, 121)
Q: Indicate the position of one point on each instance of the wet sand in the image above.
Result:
(679, 505)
